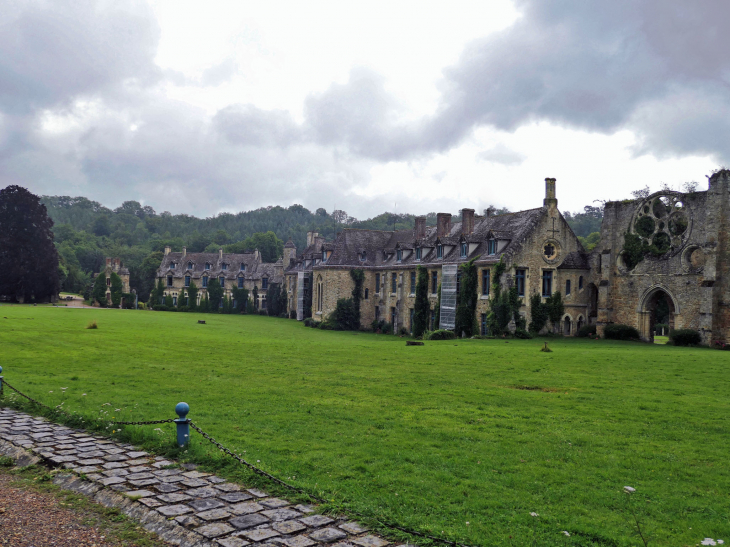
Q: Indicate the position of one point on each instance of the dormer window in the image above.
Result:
(439, 251)
(324, 256)
(224, 266)
(207, 265)
(190, 265)
(172, 265)
(399, 255)
(243, 267)
(492, 247)
(418, 253)
(464, 249)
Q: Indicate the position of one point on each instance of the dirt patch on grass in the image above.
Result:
(537, 388)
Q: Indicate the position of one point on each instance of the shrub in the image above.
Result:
(377, 325)
(183, 308)
(263, 312)
(92, 325)
(159, 307)
(685, 337)
(403, 331)
(346, 315)
(308, 322)
(293, 314)
(141, 306)
(442, 335)
(621, 332)
(522, 333)
(586, 330)
(387, 328)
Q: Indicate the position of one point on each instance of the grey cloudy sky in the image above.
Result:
(235, 105)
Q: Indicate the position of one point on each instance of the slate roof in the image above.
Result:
(254, 268)
(577, 260)
(380, 247)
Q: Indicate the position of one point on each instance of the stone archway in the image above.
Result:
(654, 299)
(567, 326)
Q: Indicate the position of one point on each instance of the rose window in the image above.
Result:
(662, 222)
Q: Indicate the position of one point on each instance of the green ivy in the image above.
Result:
(421, 307)
(504, 304)
(467, 300)
(358, 277)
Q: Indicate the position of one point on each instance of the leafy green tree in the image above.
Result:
(467, 301)
(116, 289)
(28, 258)
(255, 298)
(168, 302)
(142, 277)
(158, 292)
(181, 299)
(556, 309)
(421, 307)
(538, 314)
(192, 296)
(205, 304)
(215, 293)
(272, 299)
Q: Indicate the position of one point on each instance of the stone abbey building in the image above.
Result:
(680, 254)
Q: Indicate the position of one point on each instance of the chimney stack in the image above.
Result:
(220, 254)
(109, 259)
(443, 224)
(467, 221)
(420, 227)
(311, 236)
(167, 250)
(550, 200)
(185, 251)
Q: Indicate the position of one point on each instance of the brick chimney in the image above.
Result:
(109, 262)
(550, 200)
(443, 224)
(420, 230)
(185, 251)
(467, 221)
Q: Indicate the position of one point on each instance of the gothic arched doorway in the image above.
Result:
(658, 306)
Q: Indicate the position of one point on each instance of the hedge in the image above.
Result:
(685, 337)
(442, 335)
(587, 330)
(621, 332)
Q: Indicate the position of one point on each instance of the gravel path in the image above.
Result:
(35, 519)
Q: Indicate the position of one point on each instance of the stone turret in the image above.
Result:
(290, 253)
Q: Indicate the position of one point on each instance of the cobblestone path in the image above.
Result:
(185, 506)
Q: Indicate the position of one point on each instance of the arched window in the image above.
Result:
(319, 294)
(207, 265)
(190, 265)
(567, 287)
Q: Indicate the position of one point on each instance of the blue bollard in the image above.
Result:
(183, 429)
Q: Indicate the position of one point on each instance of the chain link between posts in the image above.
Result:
(256, 470)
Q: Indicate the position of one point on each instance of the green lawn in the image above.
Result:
(461, 439)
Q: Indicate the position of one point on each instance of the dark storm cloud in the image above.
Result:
(52, 52)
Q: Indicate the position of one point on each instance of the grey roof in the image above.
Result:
(254, 268)
(577, 260)
(380, 247)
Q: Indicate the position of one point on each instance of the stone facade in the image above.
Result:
(115, 265)
(535, 244)
(239, 270)
(693, 274)
(688, 265)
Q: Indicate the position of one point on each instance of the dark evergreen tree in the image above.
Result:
(467, 300)
(358, 278)
(255, 298)
(215, 293)
(99, 292)
(421, 308)
(28, 257)
(192, 296)
(116, 289)
(168, 302)
(158, 293)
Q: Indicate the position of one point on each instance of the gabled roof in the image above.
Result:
(577, 260)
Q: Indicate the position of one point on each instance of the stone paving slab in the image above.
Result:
(216, 512)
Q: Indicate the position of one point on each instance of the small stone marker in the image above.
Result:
(201, 321)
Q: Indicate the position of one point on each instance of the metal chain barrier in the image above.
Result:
(60, 411)
(256, 470)
(316, 498)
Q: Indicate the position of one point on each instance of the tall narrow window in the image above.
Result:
(377, 283)
(169, 281)
(439, 251)
(484, 329)
(418, 253)
(190, 265)
(520, 282)
(174, 300)
(240, 282)
(393, 282)
(547, 283)
(205, 281)
(264, 283)
(464, 249)
(434, 282)
(567, 287)
(366, 293)
(413, 282)
(580, 283)
(492, 246)
(187, 280)
(399, 255)
(485, 282)
(377, 313)
(222, 281)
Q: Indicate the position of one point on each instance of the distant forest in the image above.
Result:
(86, 232)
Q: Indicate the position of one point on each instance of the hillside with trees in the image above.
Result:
(86, 232)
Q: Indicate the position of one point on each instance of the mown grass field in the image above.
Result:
(461, 439)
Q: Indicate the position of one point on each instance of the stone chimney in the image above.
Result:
(220, 254)
(256, 255)
(420, 230)
(167, 252)
(185, 251)
(311, 236)
(109, 259)
(290, 253)
(550, 200)
(467, 221)
(443, 224)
